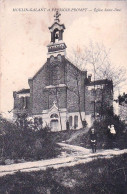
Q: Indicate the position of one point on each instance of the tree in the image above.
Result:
(122, 98)
(96, 58)
(99, 57)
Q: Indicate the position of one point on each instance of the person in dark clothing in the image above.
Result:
(93, 140)
(67, 125)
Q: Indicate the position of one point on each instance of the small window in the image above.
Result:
(70, 121)
(22, 102)
(75, 121)
(40, 121)
(27, 101)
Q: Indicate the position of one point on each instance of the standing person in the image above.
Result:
(84, 123)
(112, 130)
(111, 135)
(93, 140)
(67, 125)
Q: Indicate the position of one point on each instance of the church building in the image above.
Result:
(58, 92)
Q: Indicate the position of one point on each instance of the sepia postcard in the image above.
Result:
(63, 97)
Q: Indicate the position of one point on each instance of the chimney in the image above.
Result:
(89, 77)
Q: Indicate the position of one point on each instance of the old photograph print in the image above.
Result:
(63, 97)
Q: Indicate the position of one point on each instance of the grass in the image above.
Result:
(107, 176)
(63, 135)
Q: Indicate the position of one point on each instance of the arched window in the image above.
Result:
(70, 121)
(56, 35)
(75, 121)
(54, 116)
(40, 121)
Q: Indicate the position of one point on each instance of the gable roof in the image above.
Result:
(23, 91)
(73, 65)
(38, 71)
(67, 60)
(56, 23)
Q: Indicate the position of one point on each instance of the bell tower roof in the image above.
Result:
(57, 22)
(56, 25)
(56, 44)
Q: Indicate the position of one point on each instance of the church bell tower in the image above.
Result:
(56, 46)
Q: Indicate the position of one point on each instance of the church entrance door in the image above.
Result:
(54, 125)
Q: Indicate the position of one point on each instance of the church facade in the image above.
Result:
(58, 92)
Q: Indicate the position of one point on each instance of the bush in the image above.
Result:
(24, 143)
(104, 138)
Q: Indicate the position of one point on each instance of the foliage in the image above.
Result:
(105, 138)
(122, 98)
(25, 143)
(6, 125)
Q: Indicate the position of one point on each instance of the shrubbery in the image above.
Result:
(25, 143)
(107, 140)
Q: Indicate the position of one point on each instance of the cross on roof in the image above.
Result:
(57, 15)
(54, 102)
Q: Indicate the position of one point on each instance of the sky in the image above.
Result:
(25, 35)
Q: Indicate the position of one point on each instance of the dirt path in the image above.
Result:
(70, 156)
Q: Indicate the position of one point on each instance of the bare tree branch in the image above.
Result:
(97, 56)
